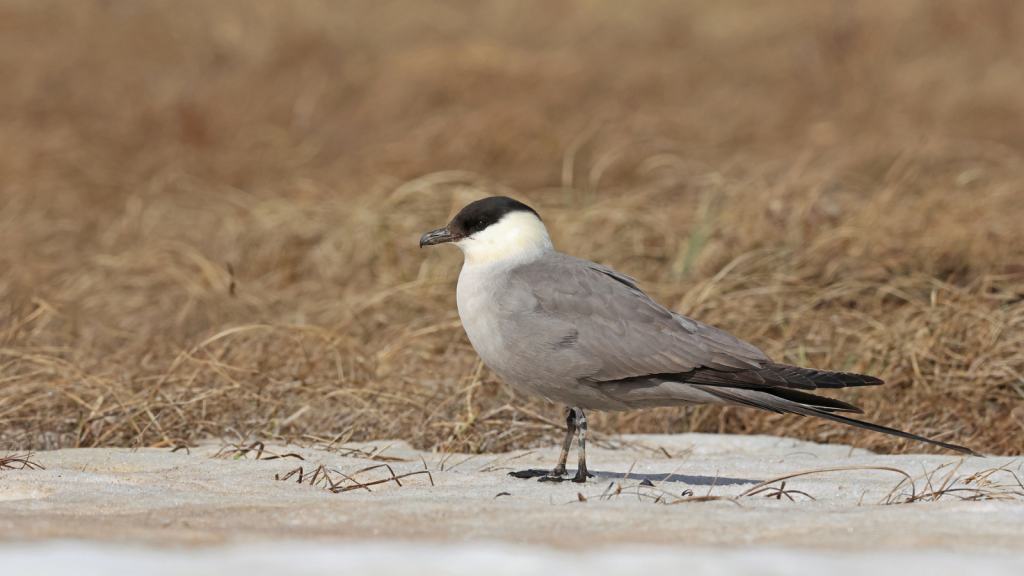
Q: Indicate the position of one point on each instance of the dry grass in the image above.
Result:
(209, 211)
(341, 482)
(941, 482)
(19, 462)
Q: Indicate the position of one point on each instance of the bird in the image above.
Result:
(578, 333)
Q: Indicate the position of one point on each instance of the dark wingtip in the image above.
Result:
(811, 379)
(871, 380)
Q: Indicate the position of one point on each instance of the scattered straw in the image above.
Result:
(940, 482)
(19, 462)
(322, 476)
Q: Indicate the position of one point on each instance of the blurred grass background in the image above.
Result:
(209, 211)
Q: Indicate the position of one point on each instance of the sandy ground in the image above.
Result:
(130, 506)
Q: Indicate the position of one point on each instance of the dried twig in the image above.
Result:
(19, 462)
(322, 475)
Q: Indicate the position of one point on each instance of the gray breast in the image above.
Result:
(497, 313)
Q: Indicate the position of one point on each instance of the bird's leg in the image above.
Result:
(570, 431)
(581, 424)
(557, 475)
(559, 471)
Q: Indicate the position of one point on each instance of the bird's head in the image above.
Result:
(495, 228)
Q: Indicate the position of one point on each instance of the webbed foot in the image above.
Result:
(581, 476)
(531, 473)
(556, 475)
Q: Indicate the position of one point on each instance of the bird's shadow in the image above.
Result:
(683, 478)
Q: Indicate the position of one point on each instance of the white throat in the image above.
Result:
(518, 237)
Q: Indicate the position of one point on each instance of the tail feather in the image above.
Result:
(890, 431)
(787, 401)
(819, 402)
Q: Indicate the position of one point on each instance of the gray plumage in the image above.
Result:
(586, 335)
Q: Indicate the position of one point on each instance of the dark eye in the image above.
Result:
(480, 225)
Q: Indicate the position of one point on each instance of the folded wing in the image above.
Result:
(623, 334)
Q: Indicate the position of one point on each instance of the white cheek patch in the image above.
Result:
(518, 235)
